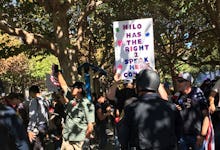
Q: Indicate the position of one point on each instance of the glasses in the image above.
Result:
(78, 87)
(180, 80)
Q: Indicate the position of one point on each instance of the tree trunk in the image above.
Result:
(69, 68)
(67, 56)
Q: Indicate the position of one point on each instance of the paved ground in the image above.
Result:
(111, 142)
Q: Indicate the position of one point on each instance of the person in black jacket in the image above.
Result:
(149, 122)
(12, 131)
(193, 108)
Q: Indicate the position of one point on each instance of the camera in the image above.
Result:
(184, 102)
(181, 102)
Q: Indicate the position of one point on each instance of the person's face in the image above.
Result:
(15, 101)
(32, 95)
(130, 85)
(101, 99)
(182, 85)
(76, 91)
(18, 101)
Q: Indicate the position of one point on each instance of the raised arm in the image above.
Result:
(211, 102)
(62, 82)
(162, 92)
(63, 85)
(112, 90)
(214, 91)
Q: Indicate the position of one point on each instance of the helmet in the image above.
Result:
(147, 80)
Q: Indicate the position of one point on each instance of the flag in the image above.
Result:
(54, 80)
(209, 141)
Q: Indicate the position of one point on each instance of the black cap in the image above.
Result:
(78, 84)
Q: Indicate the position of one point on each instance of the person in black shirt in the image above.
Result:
(192, 105)
(103, 112)
(120, 94)
(149, 122)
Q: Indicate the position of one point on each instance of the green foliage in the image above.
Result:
(186, 33)
(14, 70)
(9, 46)
(40, 66)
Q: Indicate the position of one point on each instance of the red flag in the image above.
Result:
(209, 142)
(54, 80)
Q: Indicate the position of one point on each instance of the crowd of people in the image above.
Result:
(143, 114)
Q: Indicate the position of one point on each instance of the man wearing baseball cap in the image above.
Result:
(192, 105)
(187, 76)
(80, 115)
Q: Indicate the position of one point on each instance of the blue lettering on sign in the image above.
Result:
(130, 74)
(136, 60)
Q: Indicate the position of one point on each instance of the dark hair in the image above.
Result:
(34, 89)
(56, 96)
(12, 95)
(79, 85)
(21, 96)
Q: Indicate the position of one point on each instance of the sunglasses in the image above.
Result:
(180, 80)
(78, 87)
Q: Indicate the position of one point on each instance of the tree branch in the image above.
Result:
(191, 36)
(201, 63)
(91, 6)
(27, 37)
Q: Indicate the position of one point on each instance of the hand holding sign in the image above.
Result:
(117, 77)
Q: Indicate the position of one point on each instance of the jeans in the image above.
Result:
(188, 142)
(102, 136)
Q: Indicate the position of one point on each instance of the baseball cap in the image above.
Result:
(186, 76)
(78, 84)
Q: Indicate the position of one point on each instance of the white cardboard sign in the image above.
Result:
(134, 46)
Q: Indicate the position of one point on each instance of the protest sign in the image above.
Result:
(134, 46)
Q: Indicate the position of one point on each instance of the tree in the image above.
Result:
(185, 36)
(79, 31)
(39, 66)
(53, 26)
(14, 71)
